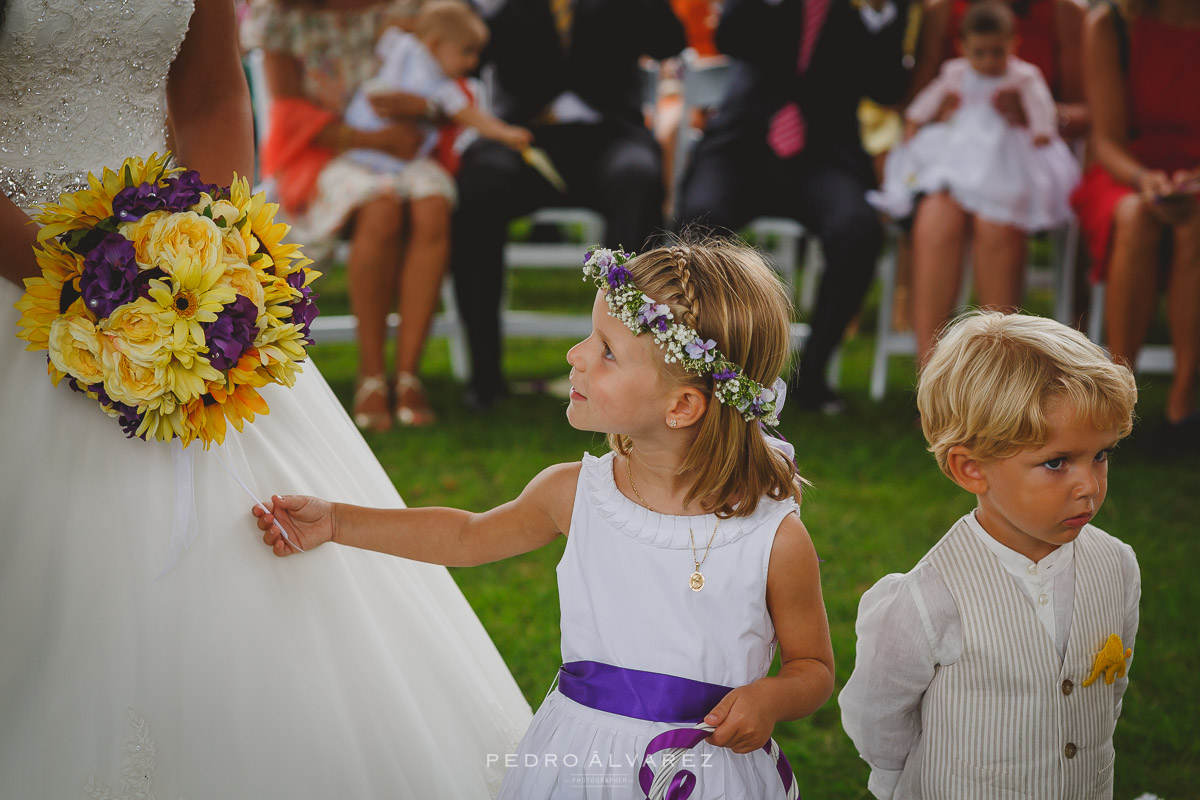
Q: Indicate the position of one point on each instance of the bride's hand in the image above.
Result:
(308, 521)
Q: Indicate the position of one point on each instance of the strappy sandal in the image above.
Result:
(368, 387)
(412, 404)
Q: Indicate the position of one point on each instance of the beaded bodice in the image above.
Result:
(82, 86)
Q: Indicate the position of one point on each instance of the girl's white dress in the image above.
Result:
(235, 675)
(991, 168)
(625, 601)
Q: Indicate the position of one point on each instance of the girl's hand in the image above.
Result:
(743, 719)
(1008, 103)
(309, 522)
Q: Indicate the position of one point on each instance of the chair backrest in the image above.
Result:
(705, 81)
(260, 92)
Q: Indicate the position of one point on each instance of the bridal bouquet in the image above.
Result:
(168, 301)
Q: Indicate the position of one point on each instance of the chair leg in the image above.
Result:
(883, 325)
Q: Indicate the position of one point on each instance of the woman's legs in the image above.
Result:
(1132, 292)
(999, 265)
(1183, 316)
(939, 233)
(374, 257)
(425, 259)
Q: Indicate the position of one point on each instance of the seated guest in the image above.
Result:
(317, 54)
(785, 141)
(1139, 199)
(569, 72)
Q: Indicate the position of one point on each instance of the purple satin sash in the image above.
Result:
(656, 697)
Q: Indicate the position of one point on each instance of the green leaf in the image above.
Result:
(254, 257)
(220, 222)
(207, 212)
(128, 176)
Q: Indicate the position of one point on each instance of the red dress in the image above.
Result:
(1037, 37)
(1163, 106)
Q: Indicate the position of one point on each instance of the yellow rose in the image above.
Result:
(75, 348)
(244, 280)
(185, 235)
(139, 234)
(127, 380)
(223, 209)
(234, 245)
(137, 333)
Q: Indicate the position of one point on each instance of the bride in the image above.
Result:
(232, 675)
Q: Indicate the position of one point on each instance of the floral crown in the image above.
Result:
(681, 343)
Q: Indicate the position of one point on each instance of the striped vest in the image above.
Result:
(1008, 720)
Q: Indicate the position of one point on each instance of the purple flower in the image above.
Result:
(181, 191)
(129, 418)
(758, 403)
(701, 349)
(727, 374)
(134, 202)
(231, 333)
(604, 261)
(618, 276)
(109, 277)
(304, 310)
(654, 315)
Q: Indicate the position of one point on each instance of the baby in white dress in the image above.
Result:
(1020, 176)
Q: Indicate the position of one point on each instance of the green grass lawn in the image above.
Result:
(878, 503)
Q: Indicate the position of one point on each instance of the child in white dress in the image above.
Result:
(1005, 174)
(444, 49)
(996, 667)
(686, 562)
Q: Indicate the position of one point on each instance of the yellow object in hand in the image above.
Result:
(1110, 661)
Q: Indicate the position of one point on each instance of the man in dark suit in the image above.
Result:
(568, 70)
(785, 142)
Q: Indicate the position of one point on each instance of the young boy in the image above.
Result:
(995, 668)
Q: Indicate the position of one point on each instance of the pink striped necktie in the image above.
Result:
(785, 135)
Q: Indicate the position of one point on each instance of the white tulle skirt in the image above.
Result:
(992, 170)
(336, 673)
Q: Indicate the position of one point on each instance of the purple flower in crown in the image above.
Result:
(588, 256)
(726, 374)
(758, 404)
(231, 333)
(603, 261)
(183, 190)
(698, 348)
(618, 276)
(109, 276)
(134, 202)
(654, 315)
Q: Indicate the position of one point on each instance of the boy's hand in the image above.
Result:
(743, 719)
(308, 520)
(1008, 103)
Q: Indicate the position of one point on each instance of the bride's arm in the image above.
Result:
(18, 233)
(208, 99)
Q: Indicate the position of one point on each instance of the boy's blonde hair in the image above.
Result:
(725, 291)
(454, 19)
(992, 378)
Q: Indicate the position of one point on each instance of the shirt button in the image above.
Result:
(1070, 750)
(1032, 569)
(1067, 687)
(1043, 599)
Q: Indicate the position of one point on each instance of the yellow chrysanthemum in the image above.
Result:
(190, 297)
(39, 306)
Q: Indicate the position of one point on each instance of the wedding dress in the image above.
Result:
(337, 673)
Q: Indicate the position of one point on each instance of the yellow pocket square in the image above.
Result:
(1110, 661)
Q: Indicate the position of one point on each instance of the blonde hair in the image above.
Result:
(992, 378)
(450, 18)
(725, 291)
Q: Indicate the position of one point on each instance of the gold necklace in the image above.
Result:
(696, 580)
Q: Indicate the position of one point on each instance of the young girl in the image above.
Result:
(686, 560)
(1013, 176)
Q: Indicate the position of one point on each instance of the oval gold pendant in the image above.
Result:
(696, 581)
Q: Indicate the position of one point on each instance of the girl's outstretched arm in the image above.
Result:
(446, 536)
(746, 717)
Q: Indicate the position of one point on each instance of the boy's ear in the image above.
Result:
(687, 407)
(966, 470)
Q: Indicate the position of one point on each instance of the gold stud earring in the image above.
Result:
(674, 423)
